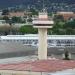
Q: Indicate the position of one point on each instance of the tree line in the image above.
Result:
(60, 27)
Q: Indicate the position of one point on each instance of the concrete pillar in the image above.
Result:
(42, 49)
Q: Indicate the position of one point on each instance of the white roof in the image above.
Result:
(35, 36)
(65, 12)
(43, 22)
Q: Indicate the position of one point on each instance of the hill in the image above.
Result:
(10, 3)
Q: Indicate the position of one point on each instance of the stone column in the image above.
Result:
(42, 49)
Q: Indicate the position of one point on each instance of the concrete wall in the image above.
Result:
(11, 72)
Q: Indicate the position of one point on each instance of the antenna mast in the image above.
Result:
(43, 4)
(44, 9)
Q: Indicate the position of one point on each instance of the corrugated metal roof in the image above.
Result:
(35, 36)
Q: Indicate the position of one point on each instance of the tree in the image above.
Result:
(70, 24)
(58, 28)
(5, 12)
(16, 19)
(29, 20)
(58, 18)
(69, 31)
(50, 14)
(28, 30)
(70, 27)
(6, 18)
(34, 11)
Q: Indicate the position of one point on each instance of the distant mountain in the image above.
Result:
(10, 3)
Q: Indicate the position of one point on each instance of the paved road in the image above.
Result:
(17, 49)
